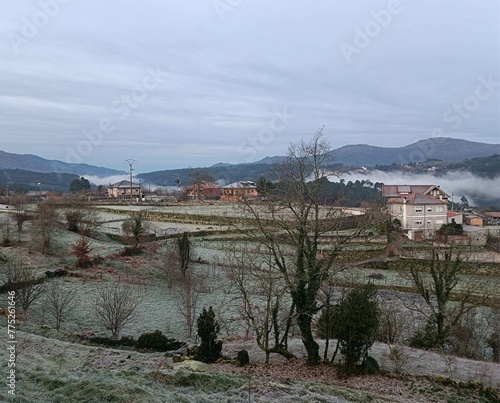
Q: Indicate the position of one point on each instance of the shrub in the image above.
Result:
(356, 322)
(157, 341)
(131, 251)
(210, 348)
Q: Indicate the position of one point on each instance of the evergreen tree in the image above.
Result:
(210, 348)
(356, 320)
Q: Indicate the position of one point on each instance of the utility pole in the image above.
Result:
(451, 201)
(130, 163)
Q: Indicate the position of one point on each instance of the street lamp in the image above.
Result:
(39, 191)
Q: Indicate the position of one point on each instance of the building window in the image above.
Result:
(418, 222)
(419, 209)
(439, 209)
(429, 209)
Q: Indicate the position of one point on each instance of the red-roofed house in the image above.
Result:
(421, 209)
(238, 191)
(203, 191)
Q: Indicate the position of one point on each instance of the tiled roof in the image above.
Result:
(124, 184)
(241, 185)
(416, 198)
(494, 214)
(397, 190)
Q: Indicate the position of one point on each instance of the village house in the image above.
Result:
(203, 191)
(421, 209)
(239, 190)
(473, 220)
(123, 190)
(34, 196)
(492, 217)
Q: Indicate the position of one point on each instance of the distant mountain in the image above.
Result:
(442, 148)
(38, 164)
(453, 151)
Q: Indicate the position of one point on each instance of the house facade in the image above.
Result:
(421, 209)
(473, 220)
(123, 190)
(239, 190)
(203, 191)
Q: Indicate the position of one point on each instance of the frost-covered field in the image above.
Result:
(53, 368)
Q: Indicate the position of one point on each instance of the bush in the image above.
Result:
(425, 338)
(131, 251)
(157, 341)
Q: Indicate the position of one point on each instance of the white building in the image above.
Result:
(421, 209)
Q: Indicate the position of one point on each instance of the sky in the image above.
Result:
(177, 84)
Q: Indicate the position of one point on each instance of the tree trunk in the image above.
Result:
(312, 348)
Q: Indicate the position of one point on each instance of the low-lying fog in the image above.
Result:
(473, 187)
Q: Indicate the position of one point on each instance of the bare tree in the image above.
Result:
(19, 202)
(188, 290)
(28, 286)
(5, 230)
(199, 177)
(294, 218)
(261, 298)
(115, 306)
(60, 301)
(447, 295)
(81, 217)
(493, 340)
(45, 224)
(392, 330)
(187, 283)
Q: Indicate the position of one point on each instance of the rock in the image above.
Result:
(370, 366)
(180, 351)
(243, 358)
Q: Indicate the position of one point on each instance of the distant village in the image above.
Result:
(421, 212)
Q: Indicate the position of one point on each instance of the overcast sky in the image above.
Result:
(192, 83)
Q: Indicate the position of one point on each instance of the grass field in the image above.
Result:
(54, 367)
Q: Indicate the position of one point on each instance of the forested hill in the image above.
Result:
(487, 167)
(28, 180)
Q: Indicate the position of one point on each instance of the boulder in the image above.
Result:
(243, 358)
(370, 366)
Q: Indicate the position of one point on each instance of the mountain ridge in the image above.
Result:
(443, 148)
(35, 163)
